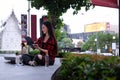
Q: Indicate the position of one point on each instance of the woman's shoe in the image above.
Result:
(32, 63)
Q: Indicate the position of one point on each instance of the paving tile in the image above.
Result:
(12, 72)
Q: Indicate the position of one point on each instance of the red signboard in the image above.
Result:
(24, 27)
(34, 27)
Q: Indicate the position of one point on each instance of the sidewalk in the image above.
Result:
(12, 72)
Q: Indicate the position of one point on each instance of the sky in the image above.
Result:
(75, 22)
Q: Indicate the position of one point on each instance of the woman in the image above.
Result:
(24, 53)
(47, 45)
(24, 49)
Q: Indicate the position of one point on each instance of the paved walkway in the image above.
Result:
(12, 72)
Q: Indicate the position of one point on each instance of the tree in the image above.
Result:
(64, 41)
(103, 39)
(56, 8)
(62, 34)
(67, 43)
(90, 44)
(80, 43)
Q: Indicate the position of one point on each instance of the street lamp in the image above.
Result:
(95, 39)
(96, 44)
(114, 37)
(114, 45)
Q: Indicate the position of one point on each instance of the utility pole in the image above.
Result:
(28, 21)
(97, 42)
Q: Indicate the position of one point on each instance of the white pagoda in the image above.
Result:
(11, 35)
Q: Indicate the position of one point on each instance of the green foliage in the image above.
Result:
(64, 41)
(58, 7)
(80, 43)
(90, 44)
(67, 42)
(34, 52)
(103, 39)
(63, 54)
(63, 35)
(90, 67)
(57, 34)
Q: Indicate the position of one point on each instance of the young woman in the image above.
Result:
(47, 45)
(24, 49)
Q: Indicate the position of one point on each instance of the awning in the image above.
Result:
(106, 3)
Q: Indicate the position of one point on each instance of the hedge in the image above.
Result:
(88, 67)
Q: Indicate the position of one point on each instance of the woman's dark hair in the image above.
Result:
(50, 32)
(23, 44)
(50, 29)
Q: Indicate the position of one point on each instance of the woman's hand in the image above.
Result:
(43, 50)
(36, 46)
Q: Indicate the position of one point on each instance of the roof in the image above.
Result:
(13, 16)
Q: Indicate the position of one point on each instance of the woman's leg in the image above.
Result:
(26, 58)
(40, 60)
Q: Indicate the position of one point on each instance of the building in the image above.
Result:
(114, 28)
(100, 26)
(67, 28)
(11, 34)
(85, 35)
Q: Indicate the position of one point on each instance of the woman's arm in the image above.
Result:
(43, 50)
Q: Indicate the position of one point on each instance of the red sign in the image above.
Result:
(107, 26)
(34, 27)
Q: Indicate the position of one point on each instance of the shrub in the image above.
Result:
(62, 54)
(89, 67)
